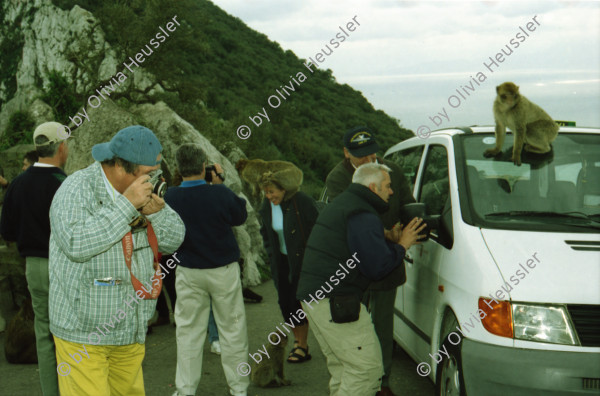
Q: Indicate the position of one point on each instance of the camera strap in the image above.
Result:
(127, 242)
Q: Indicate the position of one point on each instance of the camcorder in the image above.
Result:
(208, 173)
(159, 185)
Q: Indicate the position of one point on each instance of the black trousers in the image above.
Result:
(286, 293)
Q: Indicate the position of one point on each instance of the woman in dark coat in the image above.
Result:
(288, 217)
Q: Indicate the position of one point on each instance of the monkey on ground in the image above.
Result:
(269, 371)
(19, 339)
(252, 171)
(532, 127)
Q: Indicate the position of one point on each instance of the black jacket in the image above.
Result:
(26, 210)
(333, 243)
(296, 230)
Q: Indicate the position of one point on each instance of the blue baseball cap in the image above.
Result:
(136, 144)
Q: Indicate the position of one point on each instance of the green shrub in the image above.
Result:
(11, 50)
(19, 130)
(61, 96)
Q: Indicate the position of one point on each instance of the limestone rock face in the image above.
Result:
(40, 112)
(68, 41)
(71, 43)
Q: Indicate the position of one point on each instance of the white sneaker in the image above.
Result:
(215, 347)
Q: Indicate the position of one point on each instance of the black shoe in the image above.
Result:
(251, 296)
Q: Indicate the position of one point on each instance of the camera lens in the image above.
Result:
(160, 188)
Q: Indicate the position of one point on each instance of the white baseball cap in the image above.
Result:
(53, 131)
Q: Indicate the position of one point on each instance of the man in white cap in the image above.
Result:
(107, 229)
(25, 220)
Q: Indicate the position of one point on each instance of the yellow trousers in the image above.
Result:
(99, 370)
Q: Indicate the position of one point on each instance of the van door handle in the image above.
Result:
(408, 258)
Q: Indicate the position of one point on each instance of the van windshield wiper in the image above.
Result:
(534, 213)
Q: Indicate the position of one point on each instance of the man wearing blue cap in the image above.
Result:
(107, 229)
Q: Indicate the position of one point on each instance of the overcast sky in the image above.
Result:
(409, 57)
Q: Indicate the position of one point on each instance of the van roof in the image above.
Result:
(490, 128)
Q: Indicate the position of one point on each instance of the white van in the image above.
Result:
(504, 298)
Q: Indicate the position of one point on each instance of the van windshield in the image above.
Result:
(558, 191)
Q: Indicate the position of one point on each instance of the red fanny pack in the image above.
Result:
(156, 279)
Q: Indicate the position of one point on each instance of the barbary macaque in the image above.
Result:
(252, 171)
(269, 371)
(532, 127)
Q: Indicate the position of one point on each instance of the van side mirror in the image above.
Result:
(410, 211)
(418, 209)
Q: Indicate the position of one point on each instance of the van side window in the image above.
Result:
(408, 160)
(435, 184)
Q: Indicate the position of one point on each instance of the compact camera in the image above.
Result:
(159, 185)
(208, 173)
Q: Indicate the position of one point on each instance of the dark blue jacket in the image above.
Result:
(366, 237)
(208, 212)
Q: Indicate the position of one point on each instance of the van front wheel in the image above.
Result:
(449, 374)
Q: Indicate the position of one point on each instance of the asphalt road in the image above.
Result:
(309, 378)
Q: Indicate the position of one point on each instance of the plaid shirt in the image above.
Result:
(85, 244)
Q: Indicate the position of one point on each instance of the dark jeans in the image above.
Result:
(381, 306)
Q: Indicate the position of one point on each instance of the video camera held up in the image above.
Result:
(159, 185)
(208, 174)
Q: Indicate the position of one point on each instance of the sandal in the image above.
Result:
(297, 357)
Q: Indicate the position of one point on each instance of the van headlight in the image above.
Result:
(543, 323)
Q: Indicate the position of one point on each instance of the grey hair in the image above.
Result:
(370, 173)
(49, 150)
(190, 159)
